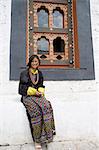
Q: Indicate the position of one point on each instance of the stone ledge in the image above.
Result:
(11, 87)
(78, 120)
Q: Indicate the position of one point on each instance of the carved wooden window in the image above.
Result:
(52, 33)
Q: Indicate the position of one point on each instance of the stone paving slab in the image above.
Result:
(10, 147)
(66, 145)
(27, 147)
(83, 145)
(62, 146)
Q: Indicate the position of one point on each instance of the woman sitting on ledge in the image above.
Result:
(39, 109)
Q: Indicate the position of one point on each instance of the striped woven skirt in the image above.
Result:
(40, 115)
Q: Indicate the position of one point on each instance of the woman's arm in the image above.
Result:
(41, 87)
(41, 80)
(23, 84)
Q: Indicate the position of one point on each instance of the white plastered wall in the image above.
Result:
(75, 103)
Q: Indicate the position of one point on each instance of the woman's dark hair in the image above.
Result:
(31, 59)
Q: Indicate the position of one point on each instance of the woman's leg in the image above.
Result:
(48, 129)
(35, 118)
(41, 118)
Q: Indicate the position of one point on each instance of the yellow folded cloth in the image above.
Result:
(34, 71)
(41, 90)
(31, 91)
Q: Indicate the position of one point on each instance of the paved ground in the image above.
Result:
(66, 145)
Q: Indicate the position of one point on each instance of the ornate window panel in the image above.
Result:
(57, 22)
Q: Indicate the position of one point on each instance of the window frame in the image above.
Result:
(18, 44)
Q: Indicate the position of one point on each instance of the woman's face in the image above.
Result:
(35, 63)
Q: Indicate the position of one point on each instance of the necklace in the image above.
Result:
(34, 77)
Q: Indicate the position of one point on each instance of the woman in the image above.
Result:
(39, 110)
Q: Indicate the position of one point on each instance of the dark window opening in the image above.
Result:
(59, 45)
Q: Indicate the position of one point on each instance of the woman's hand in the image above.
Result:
(38, 93)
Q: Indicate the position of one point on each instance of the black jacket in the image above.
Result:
(25, 82)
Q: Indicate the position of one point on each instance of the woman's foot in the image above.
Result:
(45, 145)
(38, 146)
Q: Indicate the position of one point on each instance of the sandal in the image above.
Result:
(38, 146)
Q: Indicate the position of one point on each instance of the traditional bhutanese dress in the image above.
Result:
(39, 110)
